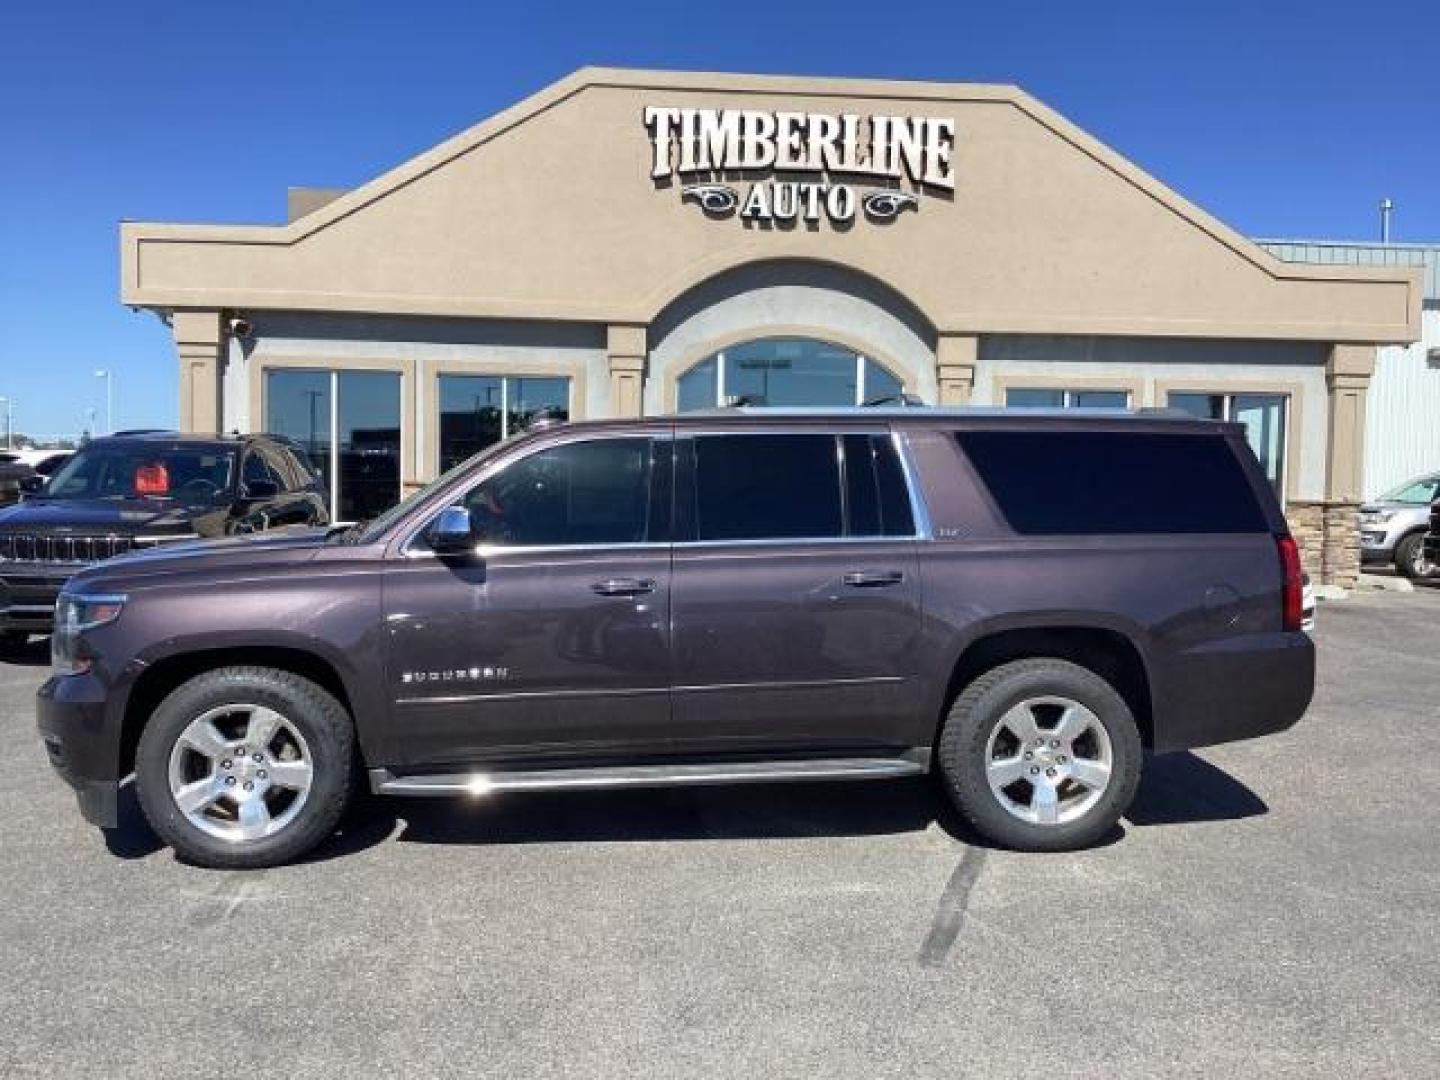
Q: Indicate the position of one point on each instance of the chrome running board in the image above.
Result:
(912, 763)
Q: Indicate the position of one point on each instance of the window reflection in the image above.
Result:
(1263, 416)
(477, 411)
(345, 418)
(297, 404)
(785, 372)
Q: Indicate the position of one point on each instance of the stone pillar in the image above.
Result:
(1348, 376)
(955, 356)
(200, 343)
(1307, 525)
(625, 345)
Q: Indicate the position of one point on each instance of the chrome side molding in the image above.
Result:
(912, 762)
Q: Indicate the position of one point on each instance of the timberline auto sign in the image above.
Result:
(886, 151)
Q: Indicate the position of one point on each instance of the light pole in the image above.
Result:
(109, 377)
(9, 422)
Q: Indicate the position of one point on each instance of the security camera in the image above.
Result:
(240, 326)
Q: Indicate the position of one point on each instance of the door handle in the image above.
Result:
(873, 579)
(623, 586)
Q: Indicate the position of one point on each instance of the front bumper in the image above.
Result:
(82, 743)
(28, 592)
(1377, 542)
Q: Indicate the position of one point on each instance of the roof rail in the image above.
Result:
(143, 431)
(907, 401)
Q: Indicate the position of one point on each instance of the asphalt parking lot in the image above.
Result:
(1271, 909)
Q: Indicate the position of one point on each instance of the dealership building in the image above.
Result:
(629, 242)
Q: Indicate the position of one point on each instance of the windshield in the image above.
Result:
(145, 470)
(376, 527)
(1416, 492)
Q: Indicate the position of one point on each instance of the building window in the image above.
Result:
(786, 372)
(1263, 415)
(349, 423)
(479, 410)
(1018, 397)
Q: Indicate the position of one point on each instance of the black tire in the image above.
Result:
(962, 752)
(327, 730)
(1410, 559)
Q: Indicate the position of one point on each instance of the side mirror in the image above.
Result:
(256, 490)
(451, 532)
(32, 485)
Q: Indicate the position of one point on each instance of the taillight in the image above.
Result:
(1293, 602)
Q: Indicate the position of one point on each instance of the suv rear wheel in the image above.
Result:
(1410, 559)
(1041, 755)
(245, 767)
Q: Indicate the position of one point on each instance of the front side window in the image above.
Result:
(477, 411)
(595, 492)
(786, 372)
(1264, 417)
(257, 468)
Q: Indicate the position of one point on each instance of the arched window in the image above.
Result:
(785, 372)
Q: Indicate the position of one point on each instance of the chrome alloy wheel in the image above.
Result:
(1420, 566)
(240, 772)
(1048, 760)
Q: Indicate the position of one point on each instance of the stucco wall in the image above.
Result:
(550, 211)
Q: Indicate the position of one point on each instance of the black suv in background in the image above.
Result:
(1432, 538)
(1018, 602)
(13, 474)
(134, 491)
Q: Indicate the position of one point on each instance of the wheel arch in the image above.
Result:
(1111, 652)
(164, 675)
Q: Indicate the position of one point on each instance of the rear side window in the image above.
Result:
(876, 500)
(799, 487)
(767, 487)
(1110, 482)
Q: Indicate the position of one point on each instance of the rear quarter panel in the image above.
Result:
(1203, 611)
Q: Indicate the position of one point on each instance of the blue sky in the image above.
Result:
(1284, 119)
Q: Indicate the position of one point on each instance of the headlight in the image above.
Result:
(1376, 517)
(74, 614)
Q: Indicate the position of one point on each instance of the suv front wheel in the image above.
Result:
(1041, 755)
(245, 767)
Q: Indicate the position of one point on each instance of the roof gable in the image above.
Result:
(551, 210)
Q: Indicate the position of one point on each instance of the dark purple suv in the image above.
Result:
(1021, 602)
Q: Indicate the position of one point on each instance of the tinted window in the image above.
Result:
(595, 492)
(257, 467)
(763, 487)
(1096, 482)
(1417, 492)
(144, 469)
(877, 502)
